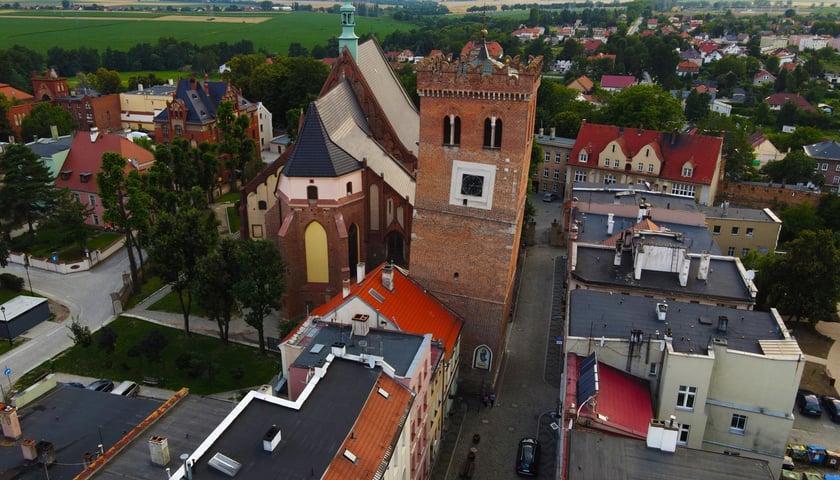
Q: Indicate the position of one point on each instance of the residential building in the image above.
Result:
(84, 162)
(739, 231)
(763, 149)
(525, 34)
(266, 129)
(687, 68)
(91, 110)
(778, 100)
(582, 84)
(49, 86)
(721, 107)
(827, 155)
(763, 77)
(476, 136)
(21, 105)
(616, 83)
(53, 151)
(140, 107)
(672, 163)
(191, 113)
(550, 175)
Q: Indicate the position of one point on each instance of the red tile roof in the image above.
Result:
(86, 157)
(13, 93)
(375, 432)
(407, 305)
(780, 99)
(702, 151)
(617, 81)
(688, 67)
(494, 49)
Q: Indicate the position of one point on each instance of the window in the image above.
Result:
(824, 167)
(312, 193)
(731, 251)
(682, 439)
(687, 171)
(615, 163)
(492, 133)
(613, 148)
(735, 230)
(178, 130)
(745, 251)
(749, 231)
(653, 368)
(681, 189)
(835, 181)
(547, 157)
(640, 167)
(262, 205)
(580, 176)
(92, 200)
(96, 219)
(556, 174)
(837, 168)
(607, 162)
(738, 424)
(609, 179)
(650, 168)
(76, 197)
(554, 188)
(472, 185)
(558, 157)
(545, 172)
(349, 188)
(686, 396)
(165, 130)
(716, 229)
(583, 156)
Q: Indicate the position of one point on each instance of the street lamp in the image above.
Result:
(26, 266)
(8, 330)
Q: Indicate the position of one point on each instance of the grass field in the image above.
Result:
(123, 30)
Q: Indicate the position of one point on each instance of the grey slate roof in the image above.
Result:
(399, 349)
(311, 436)
(595, 455)
(315, 154)
(725, 283)
(693, 325)
(201, 105)
(828, 150)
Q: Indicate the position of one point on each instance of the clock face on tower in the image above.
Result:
(472, 185)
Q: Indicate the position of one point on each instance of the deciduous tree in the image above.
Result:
(113, 191)
(262, 284)
(42, 117)
(646, 106)
(67, 220)
(212, 284)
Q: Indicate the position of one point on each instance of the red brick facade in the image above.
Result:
(465, 247)
(88, 112)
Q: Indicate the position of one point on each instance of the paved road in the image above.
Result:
(86, 294)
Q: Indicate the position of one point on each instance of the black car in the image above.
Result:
(103, 385)
(808, 403)
(831, 405)
(527, 457)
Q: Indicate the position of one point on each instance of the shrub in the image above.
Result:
(11, 282)
(107, 339)
(80, 334)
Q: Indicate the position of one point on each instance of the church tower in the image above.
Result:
(348, 36)
(476, 133)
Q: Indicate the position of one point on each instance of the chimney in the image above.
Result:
(360, 324)
(207, 87)
(271, 438)
(360, 272)
(686, 264)
(94, 134)
(552, 132)
(193, 83)
(703, 271)
(542, 132)
(345, 288)
(159, 450)
(338, 349)
(661, 311)
(9, 419)
(388, 277)
(140, 87)
(610, 223)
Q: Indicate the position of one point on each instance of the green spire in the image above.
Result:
(348, 36)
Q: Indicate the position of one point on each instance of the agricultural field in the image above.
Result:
(42, 29)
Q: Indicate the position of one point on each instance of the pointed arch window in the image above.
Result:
(492, 133)
(451, 130)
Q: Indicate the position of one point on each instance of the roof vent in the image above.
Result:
(349, 456)
(383, 392)
(224, 464)
(661, 311)
(271, 438)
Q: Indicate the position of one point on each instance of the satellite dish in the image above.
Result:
(750, 274)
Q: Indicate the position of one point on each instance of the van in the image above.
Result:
(127, 389)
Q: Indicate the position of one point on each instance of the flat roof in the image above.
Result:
(738, 213)
(602, 314)
(399, 349)
(310, 437)
(19, 305)
(75, 420)
(614, 194)
(599, 455)
(185, 426)
(155, 90)
(595, 265)
(698, 239)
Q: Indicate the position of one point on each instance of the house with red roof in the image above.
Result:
(384, 306)
(687, 68)
(672, 163)
(590, 45)
(617, 83)
(582, 84)
(22, 104)
(763, 77)
(525, 34)
(84, 162)
(778, 100)
(405, 56)
(652, 23)
(763, 149)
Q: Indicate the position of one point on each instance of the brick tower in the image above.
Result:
(476, 132)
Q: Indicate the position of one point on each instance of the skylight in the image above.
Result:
(373, 293)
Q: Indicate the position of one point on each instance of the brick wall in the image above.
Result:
(761, 196)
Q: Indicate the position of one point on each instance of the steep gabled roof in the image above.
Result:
(315, 154)
(202, 99)
(676, 149)
(85, 157)
(779, 99)
(13, 93)
(407, 305)
(617, 81)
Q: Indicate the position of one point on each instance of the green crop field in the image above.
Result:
(123, 30)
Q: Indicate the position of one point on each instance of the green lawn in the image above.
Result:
(171, 304)
(228, 197)
(46, 242)
(203, 364)
(233, 219)
(69, 31)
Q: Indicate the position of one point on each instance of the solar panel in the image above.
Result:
(587, 384)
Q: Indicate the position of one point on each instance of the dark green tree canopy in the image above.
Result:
(26, 194)
(646, 106)
(42, 117)
(796, 167)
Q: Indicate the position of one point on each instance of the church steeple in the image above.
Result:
(348, 36)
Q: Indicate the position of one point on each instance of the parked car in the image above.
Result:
(808, 403)
(103, 385)
(528, 457)
(549, 197)
(831, 405)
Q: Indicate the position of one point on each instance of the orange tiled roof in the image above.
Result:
(408, 306)
(13, 93)
(376, 430)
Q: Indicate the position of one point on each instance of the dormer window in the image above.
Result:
(687, 170)
(65, 174)
(583, 156)
(85, 177)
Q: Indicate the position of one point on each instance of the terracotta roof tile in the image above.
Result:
(645, 225)
(13, 93)
(86, 157)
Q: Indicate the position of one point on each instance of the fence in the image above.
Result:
(94, 257)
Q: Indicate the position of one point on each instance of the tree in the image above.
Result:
(212, 285)
(798, 218)
(806, 281)
(113, 191)
(646, 106)
(237, 146)
(697, 105)
(67, 220)
(42, 117)
(297, 50)
(262, 284)
(796, 167)
(177, 243)
(26, 194)
(107, 81)
(106, 339)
